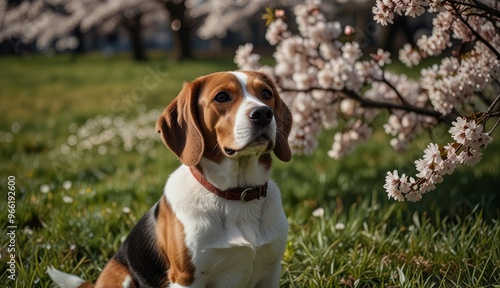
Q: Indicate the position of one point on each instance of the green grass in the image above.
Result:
(449, 239)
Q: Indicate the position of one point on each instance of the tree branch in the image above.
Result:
(494, 127)
(478, 5)
(478, 36)
(384, 80)
(405, 107)
(453, 2)
(489, 112)
(487, 8)
(367, 103)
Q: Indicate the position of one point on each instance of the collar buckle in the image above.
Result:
(244, 193)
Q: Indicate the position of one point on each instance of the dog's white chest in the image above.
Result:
(230, 242)
(228, 267)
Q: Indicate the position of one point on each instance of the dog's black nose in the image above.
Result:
(261, 115)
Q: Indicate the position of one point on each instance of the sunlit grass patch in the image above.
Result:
(361, 248)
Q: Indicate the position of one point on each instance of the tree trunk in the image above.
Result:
(134, 28)
(80, 48)
(181, 29)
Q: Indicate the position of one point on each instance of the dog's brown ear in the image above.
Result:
(283, 127)
(179, 126)
(283, 121)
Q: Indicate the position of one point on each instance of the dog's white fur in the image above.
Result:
(64, 279)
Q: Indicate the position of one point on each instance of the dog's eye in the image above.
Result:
(222, 97)
(266, 94)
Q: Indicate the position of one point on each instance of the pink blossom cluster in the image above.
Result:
(344, 141)
(455, 79)
(439, 161)
(384, 10)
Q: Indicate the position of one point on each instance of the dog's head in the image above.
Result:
(226, 114)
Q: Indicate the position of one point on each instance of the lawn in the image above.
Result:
(78, 136)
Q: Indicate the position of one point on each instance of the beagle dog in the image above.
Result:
(220, 221)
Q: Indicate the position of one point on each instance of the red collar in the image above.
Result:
(243, 194)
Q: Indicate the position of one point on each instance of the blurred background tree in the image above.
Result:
(63, 24)
(182, 26)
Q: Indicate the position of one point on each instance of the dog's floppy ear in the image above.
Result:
(283, 127)
(283, 122)
(179, 126)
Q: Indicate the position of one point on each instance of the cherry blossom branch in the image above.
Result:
(439, 160)
(401, 98)
(405, 107)
(476, 34)
(367, 103)
(477, 5)
(496, 123)
(490, 113)
(487, 8)
(495, 102)
(454, 3)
